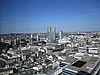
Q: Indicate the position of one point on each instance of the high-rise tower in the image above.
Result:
(31, 39)
(60, 35)
(51, 32)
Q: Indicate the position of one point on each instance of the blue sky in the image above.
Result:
(31, 16)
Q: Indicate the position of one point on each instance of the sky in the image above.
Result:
(34, 16)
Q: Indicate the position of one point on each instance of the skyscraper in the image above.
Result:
(31, 39)
(60, 35)
(51, 32)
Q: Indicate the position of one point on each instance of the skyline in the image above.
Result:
(34, 16)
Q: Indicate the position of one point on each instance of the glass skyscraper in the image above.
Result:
(51, 33)
(60, 34)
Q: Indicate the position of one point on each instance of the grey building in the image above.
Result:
(60, 34)
(51, 33)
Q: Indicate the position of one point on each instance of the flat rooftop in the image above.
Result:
(86, 65)
(69, 60)
(93, 59)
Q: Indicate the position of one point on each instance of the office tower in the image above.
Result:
(31, 38)
(17, 41)
(51, 32)
(38, 37)
(2, 40)
(60, 35)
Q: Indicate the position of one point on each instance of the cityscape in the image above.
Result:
(36, 39)
(50, 53)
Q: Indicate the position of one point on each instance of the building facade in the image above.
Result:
(51, 33)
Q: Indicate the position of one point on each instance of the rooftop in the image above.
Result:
(79, 63)
(70, 60)
(86, 65)
(94, 59)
